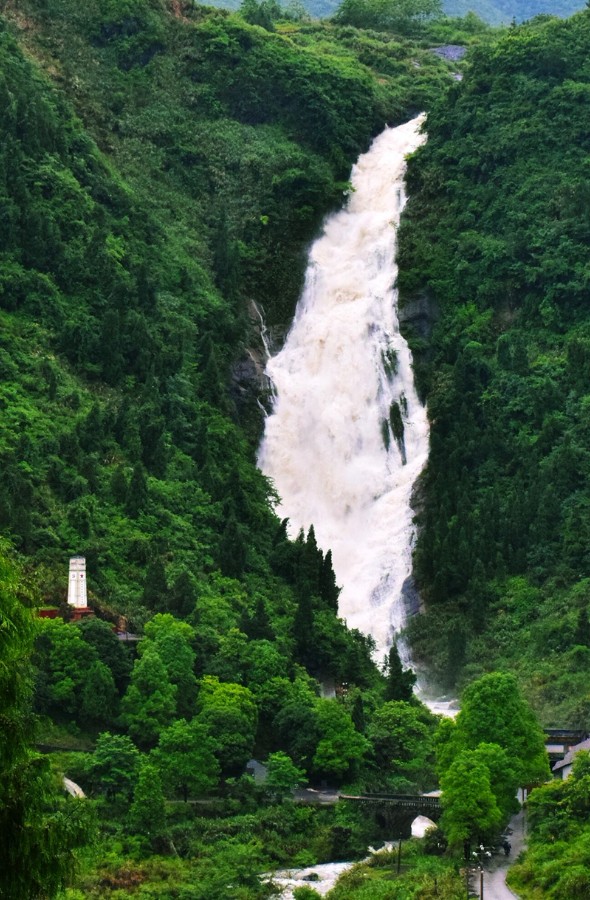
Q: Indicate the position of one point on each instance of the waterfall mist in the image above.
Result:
(347, 436)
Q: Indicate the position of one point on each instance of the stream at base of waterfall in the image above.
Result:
(347, 436)
(322, 878)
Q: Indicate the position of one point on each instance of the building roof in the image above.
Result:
(569, 756)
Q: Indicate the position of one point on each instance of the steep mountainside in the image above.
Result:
(136, 237)
(495, 242)
(162, 169)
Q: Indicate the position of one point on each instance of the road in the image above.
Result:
(494, 879)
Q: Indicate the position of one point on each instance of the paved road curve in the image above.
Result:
(495, 887)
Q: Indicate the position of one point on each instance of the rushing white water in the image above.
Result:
(343, 365)
(321, 878)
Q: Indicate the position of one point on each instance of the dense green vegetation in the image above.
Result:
(40, 830)
(557, 864)
(162, 169)
(127, 284)
(423, 873)
(162, 172)
(494, 746)
(495, 244)
(409, 15)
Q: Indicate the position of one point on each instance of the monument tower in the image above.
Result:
(77, 596)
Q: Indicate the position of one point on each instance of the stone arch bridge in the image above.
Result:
(396, 812)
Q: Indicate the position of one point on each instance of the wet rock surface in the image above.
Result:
(452, 52)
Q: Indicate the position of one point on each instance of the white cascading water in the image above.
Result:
(342, 376)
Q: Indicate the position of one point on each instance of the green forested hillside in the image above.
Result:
(163, 168)
(134, 243)
(495, 241)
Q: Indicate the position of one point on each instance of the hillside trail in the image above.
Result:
(495, 887)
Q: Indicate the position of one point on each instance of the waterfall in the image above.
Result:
(347, 436)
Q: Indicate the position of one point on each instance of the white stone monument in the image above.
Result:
(77, 584)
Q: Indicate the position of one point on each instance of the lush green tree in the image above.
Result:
(109, 648)
(263, 14)
(155, 591)
(340, 747)
(387, 15)
(147, 813)
(99, 701)
(230, 715)
(149, 703)
(283, 777)
(494, 711)
(263, 661)
(65, 659)
(229, 662)
(503, 776)
(445, 744)
(181, 595)
(137, 492)
(185, 758)
(297, 731)
(172, 640)
(114, 765)
(257, 626)
(303, 630)
(232, 549)
(401, 742)
(400, 681)
(470, 811)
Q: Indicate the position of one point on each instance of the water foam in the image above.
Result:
(338, 379)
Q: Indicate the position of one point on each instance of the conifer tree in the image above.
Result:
(303, 631)
(137, 492)
(257, 626)
(358, 713)
(110, 342)
(232, 549)
(400, 681)
(155, 591)
(310, 565)
(182, 595)
(329, 590)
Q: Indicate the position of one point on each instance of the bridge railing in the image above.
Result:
(409, 800)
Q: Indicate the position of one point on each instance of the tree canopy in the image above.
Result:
(404, 16)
